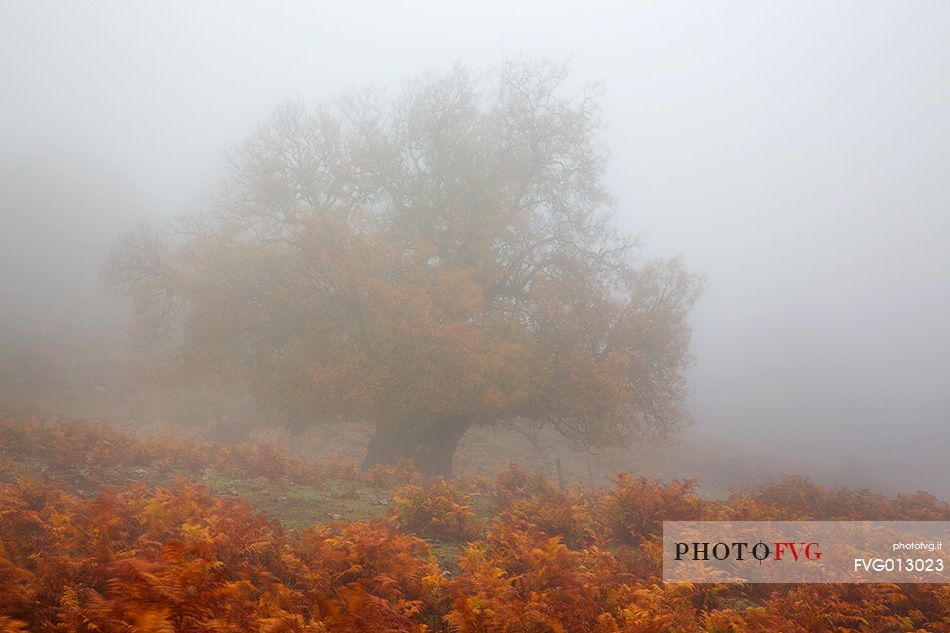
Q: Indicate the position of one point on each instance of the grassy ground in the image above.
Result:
(295, 506)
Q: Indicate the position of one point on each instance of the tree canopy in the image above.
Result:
(429, 260)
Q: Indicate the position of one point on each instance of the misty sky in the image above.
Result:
(796, 153)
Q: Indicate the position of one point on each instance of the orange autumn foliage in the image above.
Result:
(141, 557)
(179, 560)
(438, 510)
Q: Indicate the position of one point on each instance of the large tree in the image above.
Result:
(430, 261)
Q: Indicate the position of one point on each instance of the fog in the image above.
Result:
(796, 153)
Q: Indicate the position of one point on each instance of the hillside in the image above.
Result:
(103, 530)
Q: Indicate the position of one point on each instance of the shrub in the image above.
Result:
(438, 510)
(636, 507)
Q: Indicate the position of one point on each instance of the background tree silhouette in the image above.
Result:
(431, 261)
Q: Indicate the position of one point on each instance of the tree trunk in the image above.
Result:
(430, 446)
